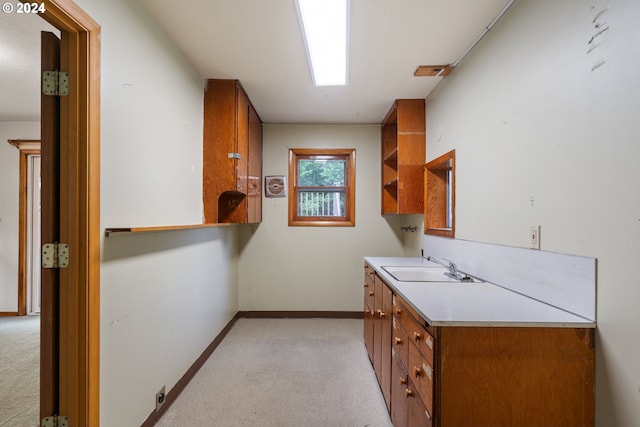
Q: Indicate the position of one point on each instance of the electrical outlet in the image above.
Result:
(534, 237)
(161, 397)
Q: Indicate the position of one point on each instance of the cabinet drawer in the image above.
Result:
(421, 373)
(368, 280)
(415, 331)
(369, 290)
(369, 272)
(400, 342)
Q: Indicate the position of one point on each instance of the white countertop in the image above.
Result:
(473, 304)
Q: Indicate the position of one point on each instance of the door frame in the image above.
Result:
(26, 147)
(79, 388)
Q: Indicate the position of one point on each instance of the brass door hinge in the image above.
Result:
(55, 255)
(55, 83)
(55, 421)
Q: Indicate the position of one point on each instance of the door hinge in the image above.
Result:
(55, 421)
(55, 255)
(55, 83)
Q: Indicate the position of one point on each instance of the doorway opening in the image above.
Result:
(29, 226)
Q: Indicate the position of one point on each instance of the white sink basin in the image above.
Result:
(405, 273)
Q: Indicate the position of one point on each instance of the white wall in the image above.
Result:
(316, 268)
(547, 133)
(166, 295)
(9, 195)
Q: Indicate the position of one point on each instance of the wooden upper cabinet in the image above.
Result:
(232, 155)
(403, 157)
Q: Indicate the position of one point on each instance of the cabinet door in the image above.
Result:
(417, 416)
(399, 385)
(382, 337)
(369, 318)
(386, 318)
(377, 329)
(242, 140)
(219, 139)
(369, 337)
(254, 179)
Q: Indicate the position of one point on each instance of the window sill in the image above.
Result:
(442, 232)
(320, 223)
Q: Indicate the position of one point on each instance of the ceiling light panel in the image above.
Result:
(325, 28)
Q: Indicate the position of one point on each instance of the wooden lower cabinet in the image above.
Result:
(458, 376)
(377, 328)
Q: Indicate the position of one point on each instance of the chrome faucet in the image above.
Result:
(453, 269)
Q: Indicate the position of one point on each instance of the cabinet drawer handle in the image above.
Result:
(417, 371)
(398, 311)
(408, 392)
(366, 285)
(381, 314)
(417, 336)
(398, 340)
(403, 380)
(370, 293)
(366, 310)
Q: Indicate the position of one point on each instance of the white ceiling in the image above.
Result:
(20, 65)
(259, 42)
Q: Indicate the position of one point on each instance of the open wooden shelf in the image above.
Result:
(111, 230)
(403, 155)
(391, 183)
(392, 157)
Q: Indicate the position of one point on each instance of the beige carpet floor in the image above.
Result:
(19, 371)
(284, 372)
